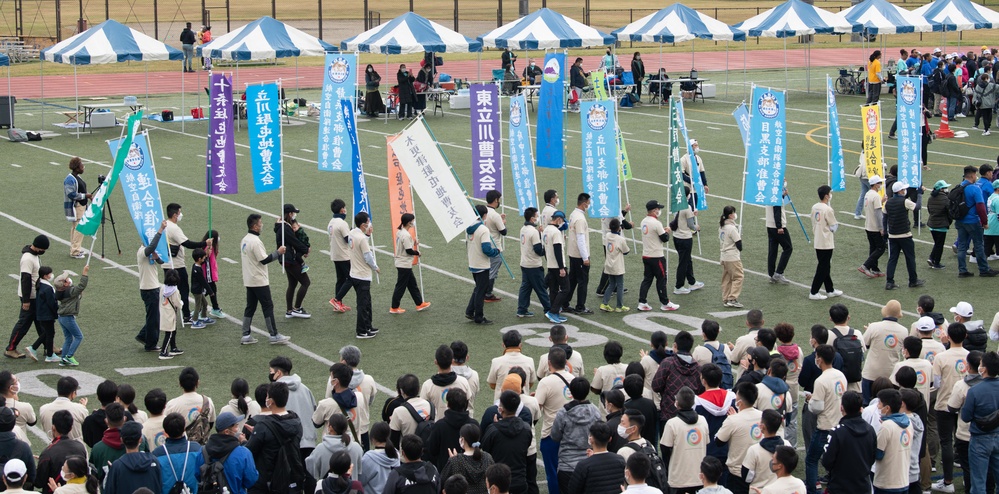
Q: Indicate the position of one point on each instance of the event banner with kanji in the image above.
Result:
(91, 219)
(400, 193)
(264, 128)
(601, 174)
(837, 168)
(695, 178)
(487, 150)
(339, 82)
(874, 163)
(521, 155)
(142, 191)
(766, 159)
(221, 178)
(551, 121)
(361, 202)
(910, 135)
(677, 198)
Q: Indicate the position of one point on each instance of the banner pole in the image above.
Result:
(796, 215)
(628, 201)
(745, 171)
(281, 161)
(828, 135)
(91, 254)
(208, 152)
(416, 239)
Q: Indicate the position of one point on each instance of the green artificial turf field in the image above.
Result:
(112, 312)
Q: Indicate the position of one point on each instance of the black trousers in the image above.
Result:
(737, 485)
(908, 248)
(215, 295)
(822, 271)
(939, 240)
(991, 244)
(946, 425)
(46, 333)
(362, 289)
(558, 290)
(150, 332)
(478, 298)
(655, 268)
(684, 264)
(25, 318)
(184, 287)
(405, 281)
(532, 467)
(875, 249)
(774, 241)
(342, 275)
(984, 114)
(258, 295)
(873, 94)
(296, 279)
(579, 278)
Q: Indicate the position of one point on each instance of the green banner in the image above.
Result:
(599, 82)
(622, 157)
(91, 219)
(678, 199)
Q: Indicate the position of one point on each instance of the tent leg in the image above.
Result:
(726, 70)
(76, 88)
(745, 75)
(183, 91)
(41, 83)
(397, 99)
(787, 84)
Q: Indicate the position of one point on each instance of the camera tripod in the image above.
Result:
(105, 214)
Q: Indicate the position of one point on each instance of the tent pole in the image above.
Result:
(41, 82)
(76, 88)
(183, 104)
(11, 107)
(297, 83)
(397, 96)
(692, 54)
(726, 70)
(745, 75)
(787, 84)
(146, 66)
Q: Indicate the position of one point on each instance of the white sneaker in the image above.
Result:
(779, 278)
(834, 293)
(681, 291)
(279, 339)
(816, 296)
(986, 133)
(994, 257)
(644, 307)
(669, 307)
(859, 217)
(696, 286)
(247, 340)
(940, 486)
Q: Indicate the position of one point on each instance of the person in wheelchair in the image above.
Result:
(658, 86)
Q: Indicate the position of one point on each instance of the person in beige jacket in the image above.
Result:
(170, 307)
(731, 258)
(254, 260)
(824, 226)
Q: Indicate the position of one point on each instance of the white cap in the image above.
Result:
(693, 142)
(875, 180)
(925, 324)
(14, 470)
(899, 186)
(963, 309)
(937, 50)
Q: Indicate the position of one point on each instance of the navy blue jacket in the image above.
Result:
(982, 400)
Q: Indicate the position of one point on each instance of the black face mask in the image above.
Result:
(270, 376)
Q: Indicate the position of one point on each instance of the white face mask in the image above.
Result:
(294, 216)
(622, 431)
(180, 216)
(659, 213)
(735, 216)
(557, 201)
(16, 388)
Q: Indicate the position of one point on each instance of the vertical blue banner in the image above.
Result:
(142, 192)
(487, 150)
(357, 166)
(766, 161)
(263, 117)
(601, 175)
(521, 156)
(551, 121)
(837, 169)
(910, 136)
(741, 115)
(695, 176)
(339, 82)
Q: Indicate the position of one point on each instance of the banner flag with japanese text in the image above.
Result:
(598, 81)
(837, 167)
(400, 193)
(677, 198)
(91, 220)
(874, 163)
(521, 155)
(767, 160)
(487, 149)
(741, 114)
(622, 156)
(910, 135)
(361, 202)
(142, 191)
(600, 169)
(263, 113)
(339, 82)
(695, 177)
(432, 180)
(551, 120)
(221, 171)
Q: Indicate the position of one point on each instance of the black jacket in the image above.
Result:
(492, 415)
(46, 307)
(937, 207)
(952, 88)
(187, 36)
(294, 248)
(444, 436)
(419, 477)
(94, 426)
(577, 77)
(407, 92)
(132, 471)
(507, 441)
(638, 71)
(51, 460)
(199, 282)
(265, 446)
(851, 449)
(11, 447)
(598, 474)
(613, 420)
(648, 408)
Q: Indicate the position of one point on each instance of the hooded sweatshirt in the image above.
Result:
(714, 405)
(132, 471)
(674, 373)
(418, 477)
(375, 468)
(265, 446)
(107, 451)
(444, 436)
(851, 449)
(779, 388)
(508, 441)
(240, 471)
(12, 447)
(318, 463)
(572, 431)
(473, 471)
(301, 401)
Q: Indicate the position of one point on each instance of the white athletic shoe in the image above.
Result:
(669, 307)
(696, 286)
(816, 296)
(644, 307)
(681, 291)
(834, 293)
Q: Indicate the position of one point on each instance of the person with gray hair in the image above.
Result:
(351, 355)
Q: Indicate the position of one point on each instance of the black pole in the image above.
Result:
(204, 21)
(274, 9)
(500, 11)
(367, 16)
(455, 15)
(58, 5)
(320, 19)
(107, 9)
(410, 5)
(228, 18)
(156, 19)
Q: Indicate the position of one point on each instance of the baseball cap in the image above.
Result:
(925, 324)
(963, 309)
(131, 431)
(941, 184)
(226, 420)
(14, 470)
(937, 50)
(875, 180)
(760, 355)
(653, 204)
(290, 208)
(7, 419)
(899, 186)
(558, 214)
(693, 142)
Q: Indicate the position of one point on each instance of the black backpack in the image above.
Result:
(936, 81)
(288, 473)
(659, 473)
(423, 426)
(213, 479)
(958, 206)
(718, 358)
(851, 349)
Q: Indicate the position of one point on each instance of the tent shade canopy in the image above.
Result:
(794, 18)
(675, 24)
(109, 42)
(265, 38)
(410, 33)
(958, 15)
(545, 29)
(883, 17)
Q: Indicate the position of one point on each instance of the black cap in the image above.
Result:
(290, 208)
(653, 204)
(41, 242)
(7, 419)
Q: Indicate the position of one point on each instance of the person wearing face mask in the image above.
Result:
(56, 454)
(654, 235)
(76, 474)
(851, 447)
(75, 203)
(373, 104)
(407, 92)
(405, 253)
(601, 471)
(824, 226)
(638, 73)
(731, 258)
(293, 260)
(362, 263)
(47, 312)
(10, 386)
(783, 464)
(558, 282)
(685, 165)
(481, 249)
(256, 279)
(532, 275)
(532, 73)
(551, 205)
(26, 291)
(178, 241)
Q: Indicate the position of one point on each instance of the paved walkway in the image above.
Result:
(97, 85)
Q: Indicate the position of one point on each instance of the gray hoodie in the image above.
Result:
(301, 401)
(571, 430)
(375, 469)
(318, 463)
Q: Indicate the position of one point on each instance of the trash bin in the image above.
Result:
(7, 111)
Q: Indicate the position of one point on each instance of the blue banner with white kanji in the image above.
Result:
(741, 114)
(551, 123)
(357, 166)
(263, 116)
(521, 156)
(910, 135)
(601, 175)
(339, 82)
(837, 168)
(142, 192)
(766, 161)
(695, 176)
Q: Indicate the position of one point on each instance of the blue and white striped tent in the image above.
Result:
(545, 29)
(265, 38)
(4, 60)
(883, 17)
(675, 24)
(958, 15)
(410, 33)
(109, 42)
(794, 18)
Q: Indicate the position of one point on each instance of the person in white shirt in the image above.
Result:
(482, 248)
(532, 274)
(578, 248)
(783, 465)
(147, 261)
(551, 205)
(824, 226)
(637, 468)
(496, 222)
(338, 230)
(874, 227)
(254, 260)
(557, 279)
(405, 253)
(654, 235)
(362, 263)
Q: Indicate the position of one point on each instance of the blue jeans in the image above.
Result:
(951, 107)
(815, 450)
(864, 187)
(188, 56)
(983, 453)
(549, 454)
(71, 334)
(974, 234)
(615, 283)
(532, 279)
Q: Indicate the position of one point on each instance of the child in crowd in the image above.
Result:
(911, 400)
(303, 237)
(711, 471)
(170, 315)
(200, 290)
(212, 272)
(794, 357)
(607, 377)
(756, 467)
(895, 441)
(617, 248)
(784, 462)
(46, 311)
(69, 307)
(684, 443)
(731, 258)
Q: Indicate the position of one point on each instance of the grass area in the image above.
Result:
(112, 311)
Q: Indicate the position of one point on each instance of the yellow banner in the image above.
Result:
(598, 79)
(873, 153)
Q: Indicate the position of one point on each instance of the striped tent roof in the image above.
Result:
(410, 33)
(265, 38)
(109, 42)
(545, 29)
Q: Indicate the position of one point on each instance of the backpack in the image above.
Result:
(288, 474)
(419, 486)
(718, 358)
(851, 349)
(626, 102)
(958, 206)
(659, 472)
(179, 486)
(936, 80)
(213, 479)
(423, 426)
(200, 428)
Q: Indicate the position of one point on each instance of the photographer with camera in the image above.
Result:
(75, 203)
(178, 256)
